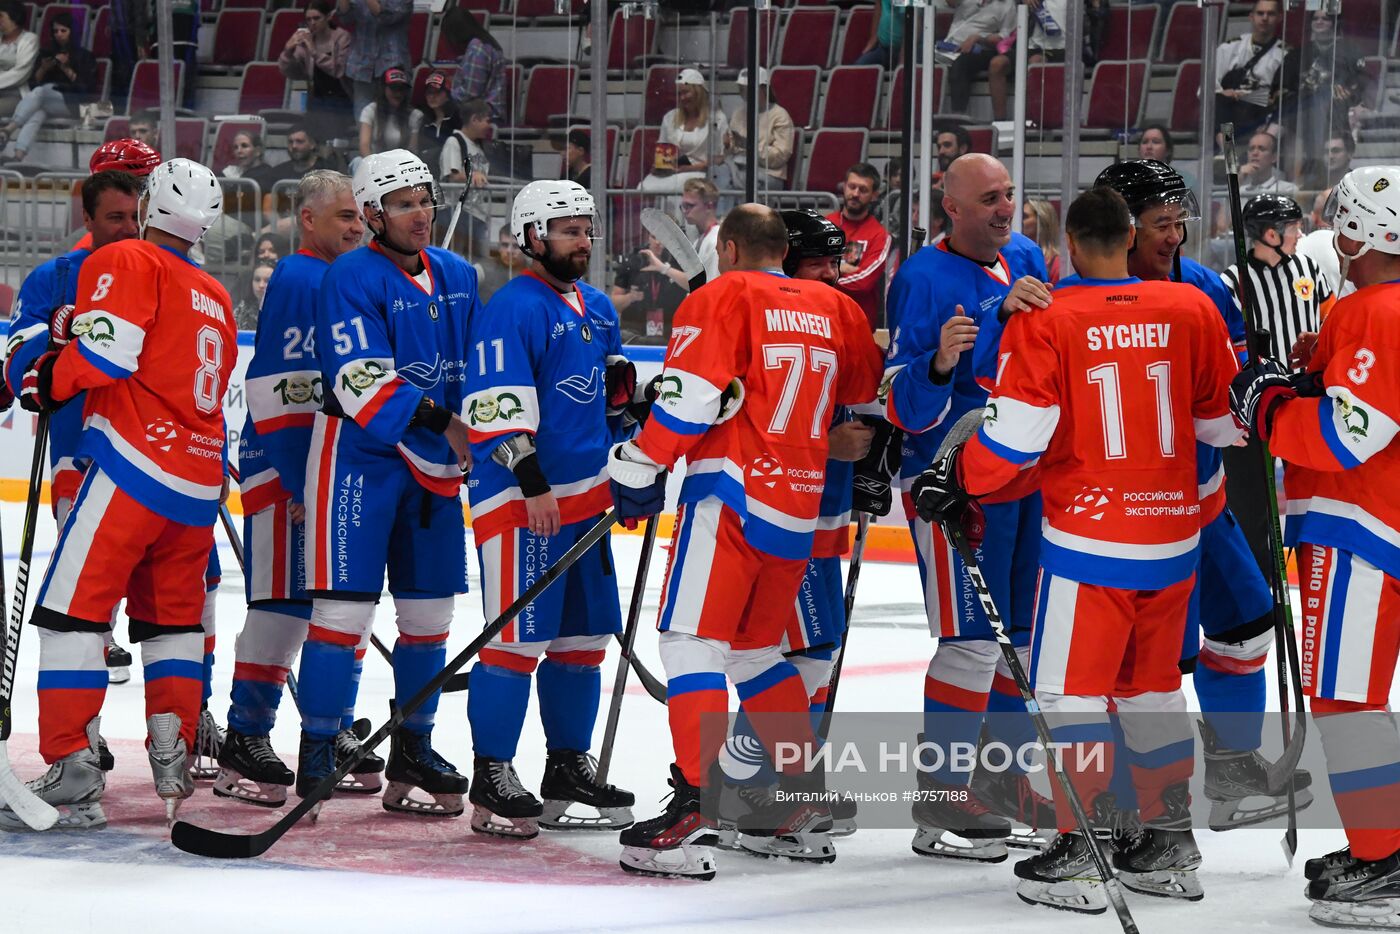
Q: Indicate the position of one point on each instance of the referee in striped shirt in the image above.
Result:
(1291, 296)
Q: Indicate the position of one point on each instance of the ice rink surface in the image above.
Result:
(361, 869)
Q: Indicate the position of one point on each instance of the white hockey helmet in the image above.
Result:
(382, 173)
(540, 202)
(183, 198)
(1368, 209)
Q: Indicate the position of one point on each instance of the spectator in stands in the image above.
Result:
(685, 144)
(1260, 173)
(65, 76)
(303, 154)
(247, 149)
(270, 248)
(1040, 222)
(1322, 83)
(867, 242)
(950, 142)
(144, 127)
(775, 137)
(248, 164)
(1155, 142)
(699, 200)
(645, 297)
(578, 151)
(500, 266)
(1335, 162)
(465, 159)
(1248, 71)
(379, 43)
(317, 53)
(440, 118)
(19, 48)
(251, 298)
(978, 27)
(886, 33)
(482, 72)
(1046, 44)
(940, 224)
(390, 121)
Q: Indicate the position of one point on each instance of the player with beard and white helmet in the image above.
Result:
(549, 392)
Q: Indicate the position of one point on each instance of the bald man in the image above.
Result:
(946, 306)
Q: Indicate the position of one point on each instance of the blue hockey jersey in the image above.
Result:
(50, 286)
(384, 340)
(924, 295)
(284, 386)
(538, 367)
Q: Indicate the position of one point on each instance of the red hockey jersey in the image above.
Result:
(797, 348)
(155, 342)
(1342, 476)
(1111, 387)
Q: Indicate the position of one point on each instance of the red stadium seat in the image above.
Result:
(894, 115)
(244, 4)
(795, 88)
(535, 8)
(854, 34)
(1045, 96)
(237, 35)
(833, 152)
(611, 156)
(7, 299)
(144, 92)
(549, 91)
(417, 37)
(1361, 21)
(808, 36)
(795, 162)
(222, 153)
(983, 139)
(852, 94)
(737, 52)
(629, 39)
(660, 94)
(189, 136)
(100, 44)
(284, 23)
(1129, 34)
(104, 79)
(80, 16)
(1186, 98)
(1115, 95)
(639, 155)
(263, 87)
(1182, 38)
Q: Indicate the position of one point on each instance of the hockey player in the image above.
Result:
(119, 155)
(1232, 603)
(285, 390)
(947, 302)
(1119, 547)
(152, 339)
(755, 363)
(384, 474)
(1338, 441)
(547, 380)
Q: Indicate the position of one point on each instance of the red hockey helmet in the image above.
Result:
(124, 155)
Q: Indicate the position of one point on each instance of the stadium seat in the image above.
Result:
(100, 41)
(1186, 98)
(894, 115)
(629, 39)
(79, 12)
(534, 8)
(736, 53)
(833, 152)
(854, 34)
(639, 155)
(795, 88)
(284, 23)
(222, 153)
(243, 4)
(1130, 31)
(852, 94)
(237, 37)
(1182, 35)
(549, 91)
(263, 87)
(104, 79)
(983, 139)
(660, 93)
(189, 136)
(1115, 95)
(1361, 21)
(611, 156)
(418, 36)
(1045, 96)
(808, 36)
(795, 162)
(7, 299)
(144, 92)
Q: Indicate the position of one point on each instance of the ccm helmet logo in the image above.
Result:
(1381, 185)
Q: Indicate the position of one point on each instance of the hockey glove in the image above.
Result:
(620, 383)
(940, 498)
(1254, 391)
(870, 488)
(639, 409)
(36, 389)
(638, 483)
(61, 326)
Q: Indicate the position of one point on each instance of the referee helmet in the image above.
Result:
(810, 236)
(1270, 212)
(1146, 183)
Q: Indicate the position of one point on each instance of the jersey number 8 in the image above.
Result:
(207, 391)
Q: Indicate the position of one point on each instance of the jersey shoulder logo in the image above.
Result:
(361, 376)
(97, 328)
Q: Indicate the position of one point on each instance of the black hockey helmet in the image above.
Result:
(1269, 212)
(810, 236)
(1146, 183)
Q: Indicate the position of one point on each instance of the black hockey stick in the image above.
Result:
(1285, 638)
(219, 845)
(852, 579)
(959, 433)
(629, 638)
(32, 809)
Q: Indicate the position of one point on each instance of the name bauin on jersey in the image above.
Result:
(803, 322)
(1146, 334)
(206, 306)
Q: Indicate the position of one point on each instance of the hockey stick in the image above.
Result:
(219, 845)
(33, 810)
(965, 428)
(455, 684)
(852, 579)
(660, 225)
(629, 637)
(457, 212)
(1285, 638)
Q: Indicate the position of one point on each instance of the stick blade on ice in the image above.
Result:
(33, 810)
(962, 429)
(215, 844)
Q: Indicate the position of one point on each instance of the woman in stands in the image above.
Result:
(690, 134)
(391, 122)
(316, 54)
(65, 75)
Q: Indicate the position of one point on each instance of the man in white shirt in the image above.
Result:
(971, 43)
(1259, 175)
(1248, 69)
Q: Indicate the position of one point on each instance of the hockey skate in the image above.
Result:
(1333, 864)
(791, 820)
(413, 764)
(170, 761)
(367, 777)
(251, 771)
(675, 845)
(1064, 876)
(571, 777)
(208, 740)
(118, 664)
(1161, 860)
(1364, 896)
(843, 816)
(1237, 784)
(73, 785)
(501, 805)
(954, 824)
(1010, 795)
(315, 761)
